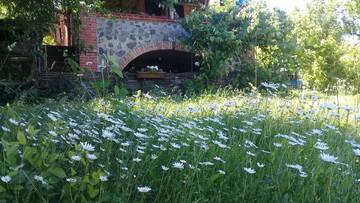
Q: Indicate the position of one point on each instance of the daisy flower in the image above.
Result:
(104, 178)
(357, 152)
(91, 156)
(87, 147)
(5, 179)
(71, 180)
(250, 170)
(178, 165)
(164, 168)
(328, 158)
(144, 189)
(75, 158)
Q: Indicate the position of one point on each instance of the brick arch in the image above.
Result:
(152, 46)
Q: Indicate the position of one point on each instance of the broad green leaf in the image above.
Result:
(75, 67)
(59, 172)
(116, 90)
(92, 191)
(21, 138)
(120, 92)
(73, 172)
(32, 131)
(31, 155)
(11, 152)
(114, 66)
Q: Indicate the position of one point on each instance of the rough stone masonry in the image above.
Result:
(118, 37)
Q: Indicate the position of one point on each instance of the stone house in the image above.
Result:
(142, 34)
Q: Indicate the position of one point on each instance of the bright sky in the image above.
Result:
(286, 5)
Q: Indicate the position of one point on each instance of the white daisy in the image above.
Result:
(328, 158)
(176, 146)
(303, 174)
(5, 129)
(52, 117)
(52, 133)
(104, 178)
(140, 135)
(219, 144)
(136, 159)
(250, 170)
(154, 156)
(142, 130)
(219, 159)
(108, 135)
(251, 154)
(91, 156)
(206, 163)
(164, 168)
(71, 180)
(73, 136)
(87, 147)
(357, 152)
(178, 165)
(76, 158)
(321, 145)
(40, 179)
(144, 189)
(5, 179)
(295, 166)
(126, 129)
(13, 121)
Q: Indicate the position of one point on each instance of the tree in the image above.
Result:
(36, 18)
(252, 42)
(319, 38)
(352, 18)
(212, 39)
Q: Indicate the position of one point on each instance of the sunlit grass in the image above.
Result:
(221, 147)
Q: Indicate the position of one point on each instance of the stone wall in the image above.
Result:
(119, 37)
(128, 36)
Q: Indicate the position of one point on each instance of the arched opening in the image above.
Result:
(170, 61)
(178, 66)
(152, 7)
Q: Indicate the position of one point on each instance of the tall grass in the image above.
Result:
(222, 147)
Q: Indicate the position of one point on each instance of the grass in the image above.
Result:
(223, 147)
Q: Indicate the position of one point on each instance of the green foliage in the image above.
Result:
(101, 87)
(272, 45)
(75, 67)
(253, 43)
(351, 62)
(351, 20)
(120, 92)
(267, 47)
(49, 40)
(212, 39)
(36, 18)
(114, 66)
(319, 44)
(193, 87)
(227, 6)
